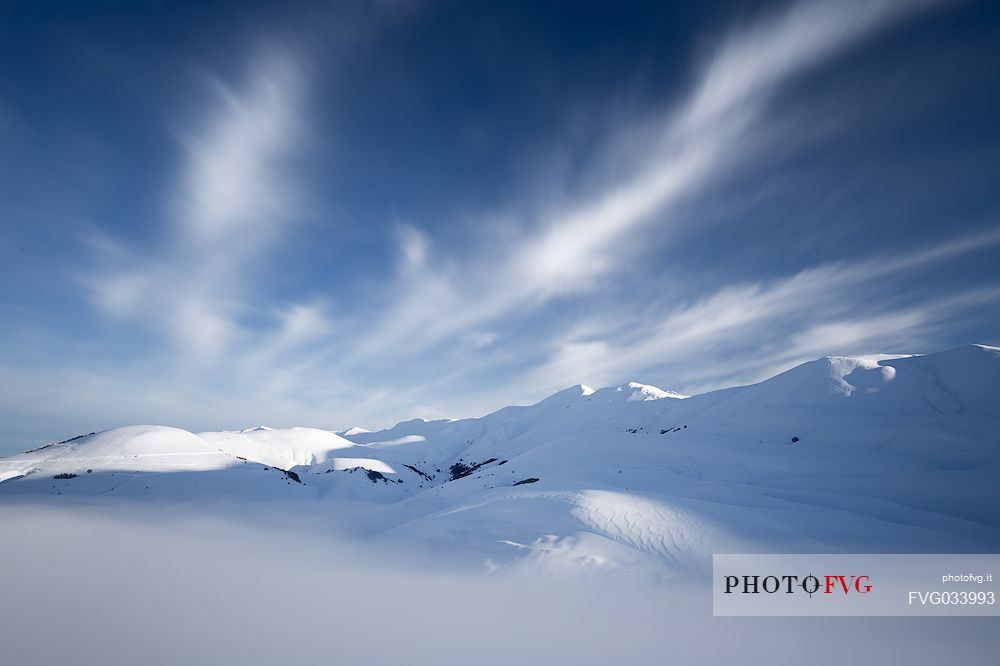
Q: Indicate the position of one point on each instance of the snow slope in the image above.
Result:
(880, 453)
(280, 448)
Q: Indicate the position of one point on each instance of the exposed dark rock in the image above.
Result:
(524, 481)
(64, 475)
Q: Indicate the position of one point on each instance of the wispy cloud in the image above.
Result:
(233, 196)
(524, 306)
(571, 248)
(233, 184)
(747, 332)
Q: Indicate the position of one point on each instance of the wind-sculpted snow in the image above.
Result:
(877, 453)
(677, 536)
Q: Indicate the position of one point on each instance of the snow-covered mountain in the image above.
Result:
(883, 453)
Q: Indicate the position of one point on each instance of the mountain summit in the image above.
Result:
(840, 453)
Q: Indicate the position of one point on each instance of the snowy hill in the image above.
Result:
(880, 453)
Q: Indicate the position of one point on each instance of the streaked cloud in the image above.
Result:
(233, 196)
(748, 332)
(233, 180)
(308, 259)
(570, 248)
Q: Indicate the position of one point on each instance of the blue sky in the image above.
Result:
(224, 214)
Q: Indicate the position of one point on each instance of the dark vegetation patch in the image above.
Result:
(421, 473)
(65, 441)
(372, 475)
(460, 469)
(64, 475)
(73, 439)
(293, 476)
(524, 481)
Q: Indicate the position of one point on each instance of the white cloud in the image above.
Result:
(231, 199)
(757, 59)
(234, 197)
(233, 181)
(573, 248)
(413, 244)
(764, 326)
(302, 323)
(479, 339)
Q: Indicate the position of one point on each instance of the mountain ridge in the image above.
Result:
(903, 445)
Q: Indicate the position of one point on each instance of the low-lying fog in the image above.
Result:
(102, 584)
